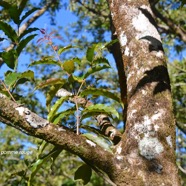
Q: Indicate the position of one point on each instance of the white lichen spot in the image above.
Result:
(2, 95)
(169, 141)
(119, 149)
(131, 114)
(63, 92)
(160, 54)
(150, 147)
(119, 157)
(127, 52)
(144, 27)
(60, 129)
(20, 110)
(144, 92)
(92, 144)
(156, 127)
(123, 39)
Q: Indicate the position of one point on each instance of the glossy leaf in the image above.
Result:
(100, 92)
(64, 114)
(11, 78)
(37, 165)
(10, 58)
(9, 31)
(99, 108)
(69, 66)
(63, 49)
(95, 69)
(101, 60)
(84, 173)
(47, 60)
(55, 107)
(73, 78)
(51, 81)
(24, 42)
(51, 94)
(90, 53)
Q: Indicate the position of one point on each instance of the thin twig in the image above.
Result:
(7, 90)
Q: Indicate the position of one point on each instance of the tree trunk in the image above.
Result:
(147, 149)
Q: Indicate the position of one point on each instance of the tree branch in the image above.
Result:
(170, 23)
(23, 119)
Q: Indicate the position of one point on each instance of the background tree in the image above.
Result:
(96, 22)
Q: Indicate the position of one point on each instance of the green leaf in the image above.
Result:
(63, 49)
(9, 31)
(11, 78)
(99, 108)
(37, 165)
(55, 107)
(14, 13)
(90, 53)
(5, 4)
(69, 66)
(51, 81)
(47, 60)
(28, 31)
(64, 114)
(95, 69)
(100, 92)
(24, 42)
(10, 58)
(51, 93)
(84, 173)
(27, 14)
(101, 60)
(22, 5)
(108, 44)
(99, 140)
(73, 78)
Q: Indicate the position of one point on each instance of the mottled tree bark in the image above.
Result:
(148, 144)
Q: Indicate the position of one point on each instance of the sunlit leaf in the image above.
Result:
(40, 162)
(64, 114)
(68, 66)
(51, 81)
(90, 53)
(63, 49)
(51, 94)
(95, 69)
(84, 173)
(47, 60)
(97, 109)
(100, 92)
(55, 107)
(11, 78)
(73, 78)
(101, 60)
(10, 58)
